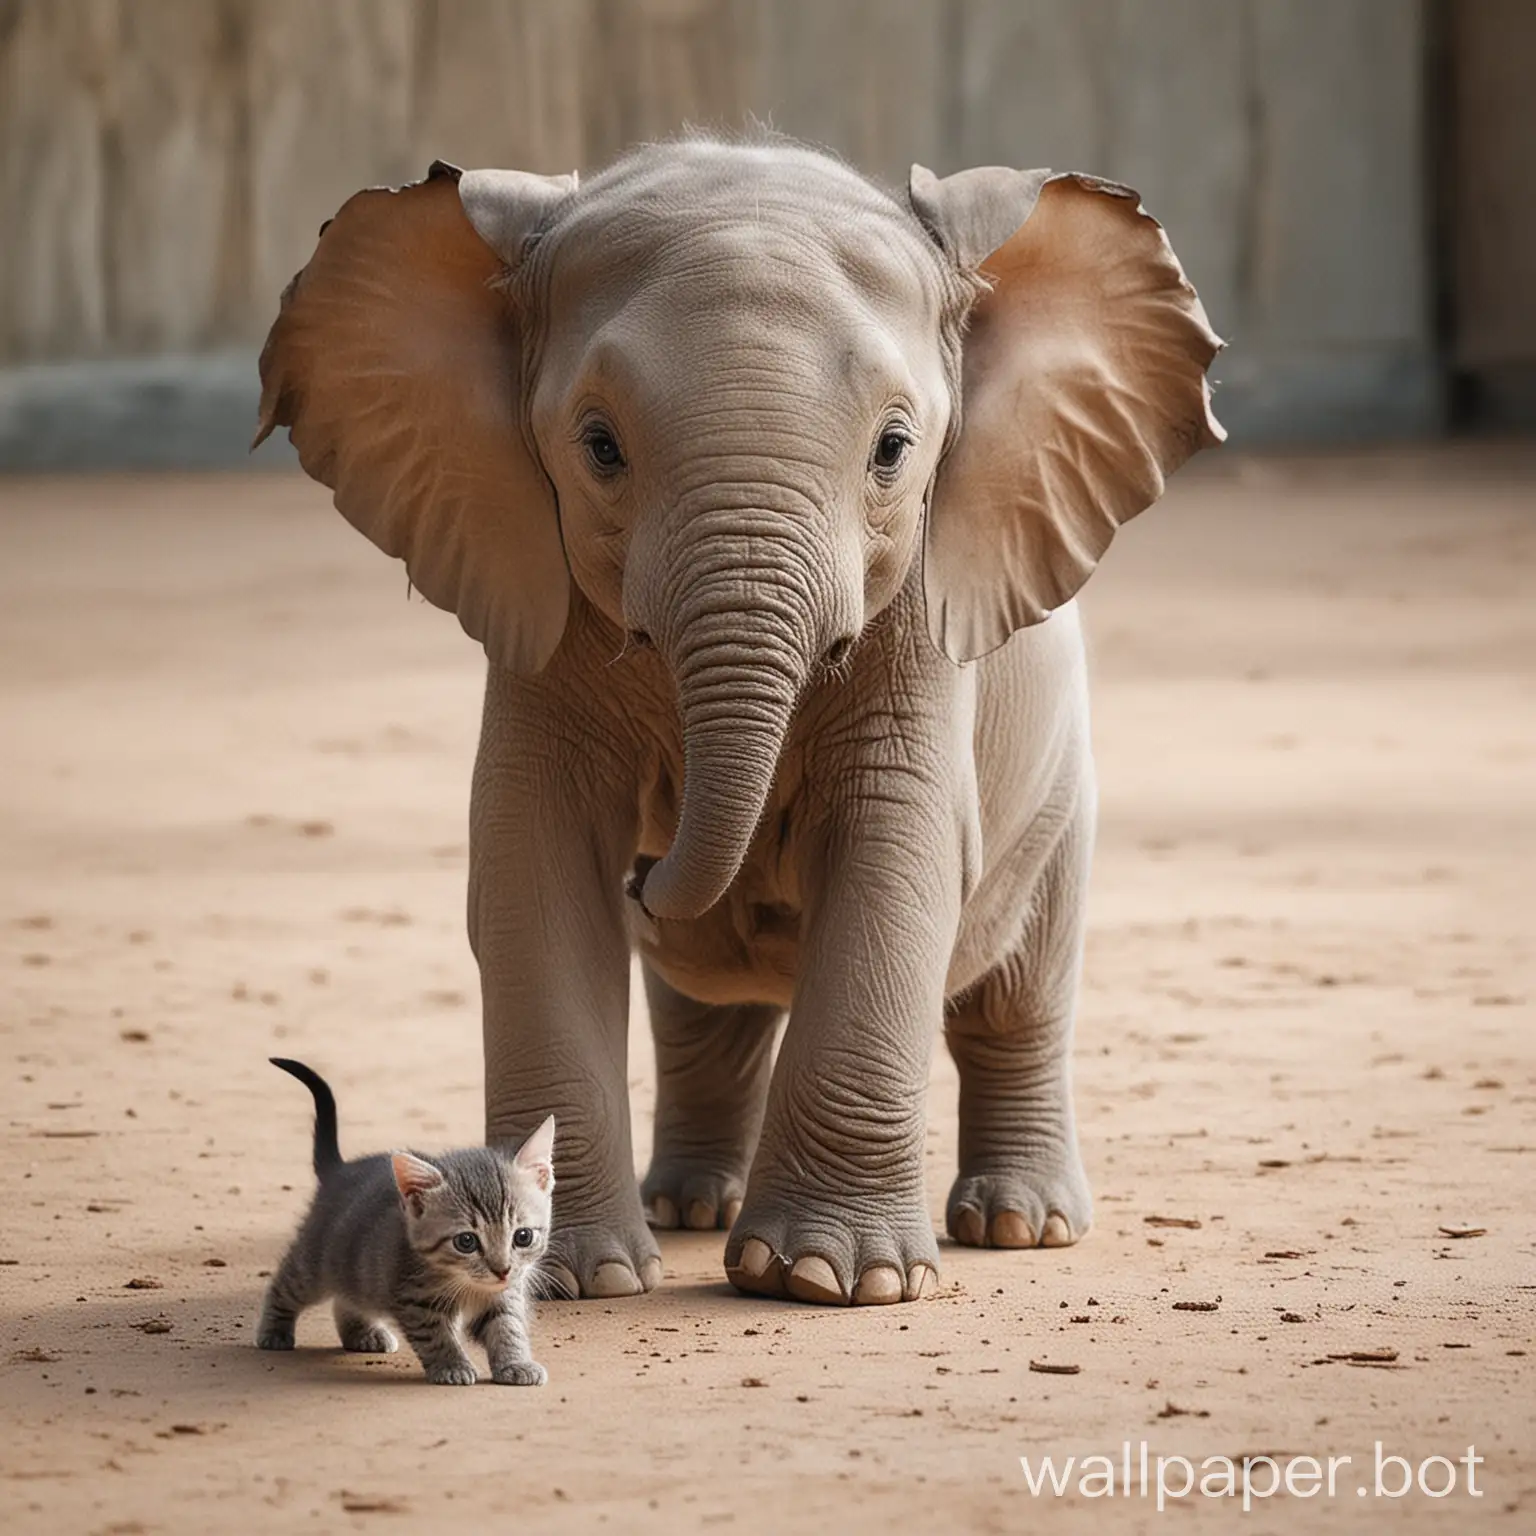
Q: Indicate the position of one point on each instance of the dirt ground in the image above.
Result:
(234, 765)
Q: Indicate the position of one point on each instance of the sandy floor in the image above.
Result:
(232, 818)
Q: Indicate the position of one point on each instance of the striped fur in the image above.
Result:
(379, 1242)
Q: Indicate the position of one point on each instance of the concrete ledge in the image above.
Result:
(170, 412)
(199, 412)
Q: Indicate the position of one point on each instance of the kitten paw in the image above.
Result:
(525, 1373)
(275, 1338)
(375, 1340)
(462, 1375)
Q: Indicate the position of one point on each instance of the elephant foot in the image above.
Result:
(1046, 1206)
(870, 1254)
(698, 1193)
(600, 1261)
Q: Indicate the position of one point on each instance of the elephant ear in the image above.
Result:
(1083, 387)
(396, 363)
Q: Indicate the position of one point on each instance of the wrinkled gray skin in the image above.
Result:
(848, 912)
(841, 810)
(830, 819)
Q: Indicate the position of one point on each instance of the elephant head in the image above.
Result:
(738, 396)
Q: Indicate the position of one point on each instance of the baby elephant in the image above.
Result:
(442, 1245)
(767, 491)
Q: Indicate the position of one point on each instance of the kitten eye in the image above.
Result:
(466, 1242)
(523, 1238)
(602, 448)
(890, 449)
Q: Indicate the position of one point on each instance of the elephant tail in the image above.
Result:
(327, 1149)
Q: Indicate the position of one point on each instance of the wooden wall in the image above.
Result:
(165, 164)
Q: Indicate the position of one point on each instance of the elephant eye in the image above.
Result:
(602, 448)
(890, 449)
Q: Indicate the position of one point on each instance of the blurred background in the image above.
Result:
(1350, 183)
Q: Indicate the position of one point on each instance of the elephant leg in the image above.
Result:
(712, 1066)
(551, 835)
(835, 1209)
(1021, 1182)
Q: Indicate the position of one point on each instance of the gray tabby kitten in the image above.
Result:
(443, 1246)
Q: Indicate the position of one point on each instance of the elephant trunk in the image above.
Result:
(737, 696)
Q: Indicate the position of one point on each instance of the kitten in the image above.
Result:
(439, 1245)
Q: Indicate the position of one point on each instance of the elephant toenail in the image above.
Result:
(561, 1283)
(756, 1256)
(650, 1274)
(732, 1211)
(700, 1216)
(878, 1287)
(969, 1227)
(663, 1213)
(813, 1279)
(1010, 1230)
(1056, 1233)
(922, 1282)
(614, 1279)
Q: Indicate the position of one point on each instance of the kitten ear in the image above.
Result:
(414, 1177)
(536, 1155)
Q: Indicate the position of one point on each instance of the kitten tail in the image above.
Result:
(327, 1150)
